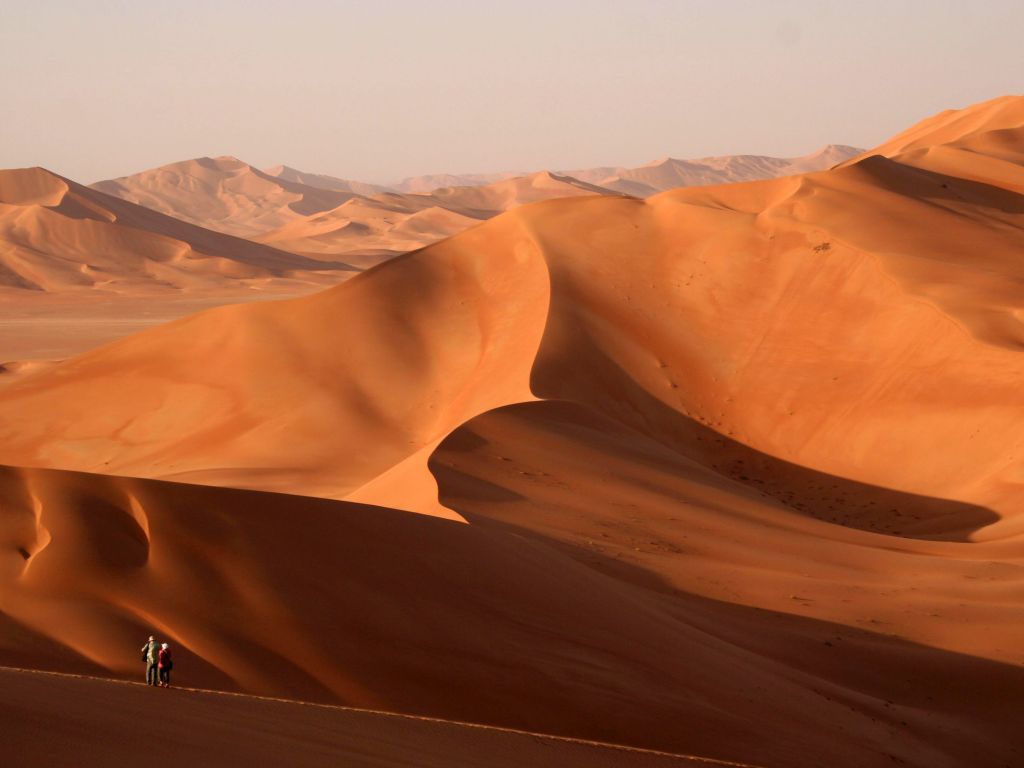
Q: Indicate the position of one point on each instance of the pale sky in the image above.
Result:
(382, 90)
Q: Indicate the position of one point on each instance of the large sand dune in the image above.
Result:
(794, 317)
(730, 471)
(510, 621)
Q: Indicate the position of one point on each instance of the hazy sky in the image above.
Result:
(378, 91)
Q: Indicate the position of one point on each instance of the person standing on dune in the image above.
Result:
(165, 664)
(151, 655)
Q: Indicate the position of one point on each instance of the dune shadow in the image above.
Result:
(113, 533)
(827, 497)
(918, 183)
(912, 691)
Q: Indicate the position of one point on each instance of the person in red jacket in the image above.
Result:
(165, 665)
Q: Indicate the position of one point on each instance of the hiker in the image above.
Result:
(150, 655)
(166, 664)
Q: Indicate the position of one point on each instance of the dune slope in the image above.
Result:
(746, 457)
(226, 194)
(493, 622)
(829, 321)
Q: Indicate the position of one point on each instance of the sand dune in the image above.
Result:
(815, 289)
(659, 175)
(325, 217)
(318, 215)
(670, 173)
(349, 225)
(369, 230)
(1000, 116)
(362, 386)
(57, 235)
(730, 471)
(504, 621)
(79, 268)
(225, 194)
(322, 181)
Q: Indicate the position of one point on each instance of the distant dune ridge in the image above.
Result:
(226, 194)
(56, 235)
(670, 173)
(322, 181)
(79, 268)
(731, 471)
(370, 230)
(430, 182)
(48, 265)
(320, 215)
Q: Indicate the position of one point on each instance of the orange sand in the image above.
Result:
(731, 471)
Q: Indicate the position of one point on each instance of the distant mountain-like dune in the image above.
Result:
(670, 173)
(56, 235)
(225, 194)
(320, 215)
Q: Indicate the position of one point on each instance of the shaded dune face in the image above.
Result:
(61, 720)
(723, 452)
(504, 621)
